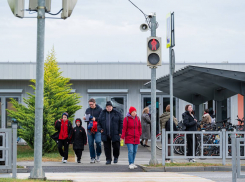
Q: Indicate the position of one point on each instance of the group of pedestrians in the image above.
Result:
(190, 123)
(105, 125)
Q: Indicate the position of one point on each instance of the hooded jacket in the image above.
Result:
(164, 119)
(79, 138)
(132, 130)
(206, 119)
(64, 129)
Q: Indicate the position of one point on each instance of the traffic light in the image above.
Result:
(68, 6)
(154, 53)
(17, 7)
(34, 3)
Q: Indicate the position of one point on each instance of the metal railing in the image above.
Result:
(8, 149)
(237, 143)
(206, 142)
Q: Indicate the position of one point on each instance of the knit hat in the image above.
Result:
(78, 119)
(108, 103)
(65, 113)
(131, 109)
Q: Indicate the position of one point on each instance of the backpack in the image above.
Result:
(167, 126)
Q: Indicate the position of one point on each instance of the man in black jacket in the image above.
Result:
(94, 136)
(110, 125)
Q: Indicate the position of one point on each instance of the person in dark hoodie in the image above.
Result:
(94, 136)
(191, 125)
(110, 125)
(79, 139)
(65, 130)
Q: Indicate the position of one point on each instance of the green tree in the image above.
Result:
(57, 100)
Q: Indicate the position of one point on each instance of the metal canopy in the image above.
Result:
(197, 85)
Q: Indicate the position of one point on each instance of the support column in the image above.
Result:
(219, 111)
(197, 112)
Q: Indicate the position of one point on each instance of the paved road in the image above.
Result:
(216, 176)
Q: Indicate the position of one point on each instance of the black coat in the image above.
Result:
(79, 138)
(116, 125)
(94, 112)
(189, 122)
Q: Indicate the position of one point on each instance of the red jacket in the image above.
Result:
(132, 130)
(65, 129)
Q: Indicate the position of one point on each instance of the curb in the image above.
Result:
(188, 169)
(10, 170)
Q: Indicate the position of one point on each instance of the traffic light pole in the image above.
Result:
(37, 172)
(171, 98)
(153, 160)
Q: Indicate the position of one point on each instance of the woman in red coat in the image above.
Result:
(131, 133)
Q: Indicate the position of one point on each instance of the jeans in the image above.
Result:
(97, 138)
(132, 150)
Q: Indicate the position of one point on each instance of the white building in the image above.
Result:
(122, 83)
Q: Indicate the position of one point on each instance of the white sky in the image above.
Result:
(108, 31)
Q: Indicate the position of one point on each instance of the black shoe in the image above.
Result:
(141, 143)
(108, 162)
(146, 146)
(115, 160)
(78, 161)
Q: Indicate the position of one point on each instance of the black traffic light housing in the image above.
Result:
(154, 53)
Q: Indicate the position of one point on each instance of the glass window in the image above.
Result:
(147, 102)
(101, 101)
(9, 106)
(118, 104)
(166, 101)
(0, 113)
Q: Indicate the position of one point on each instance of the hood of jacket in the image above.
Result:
(165, 114)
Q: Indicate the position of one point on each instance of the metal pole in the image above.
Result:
(223, 147)
(14, 169)
(171, 100)
(163, 146)
(153, 160)
(234, 167)
(37, 172)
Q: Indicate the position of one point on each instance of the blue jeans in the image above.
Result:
(132, 150)
(97, 138)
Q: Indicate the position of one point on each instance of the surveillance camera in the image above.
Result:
(151, 15)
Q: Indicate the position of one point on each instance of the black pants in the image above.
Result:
(64, 143)
(78, 153)
(115, 146)
(190, 144)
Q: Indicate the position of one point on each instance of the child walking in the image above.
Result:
(79, 139)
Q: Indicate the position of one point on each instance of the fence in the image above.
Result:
(238, 144)
(215, 141)
(8, 149)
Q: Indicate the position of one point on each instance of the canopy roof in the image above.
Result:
(199, 84)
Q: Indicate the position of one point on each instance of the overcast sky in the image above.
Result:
(108, 31)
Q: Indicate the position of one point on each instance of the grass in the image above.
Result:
(26, 180)
(196, 164)
(25, 153)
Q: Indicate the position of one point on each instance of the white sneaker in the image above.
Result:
(131, 166)
(167, 161)
(92, 160)
(135, 167)
(65, 161)
(98, 159)
(62, 159)
(192, 160)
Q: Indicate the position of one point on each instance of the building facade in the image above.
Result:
(121, 83)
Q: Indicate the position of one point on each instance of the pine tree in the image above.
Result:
(57, 100)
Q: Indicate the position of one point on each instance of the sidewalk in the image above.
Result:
(119, 177)
(143, 157)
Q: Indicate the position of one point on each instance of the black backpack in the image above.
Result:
(167, 126)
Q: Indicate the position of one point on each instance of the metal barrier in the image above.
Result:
(236, 156)
(9, 149)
